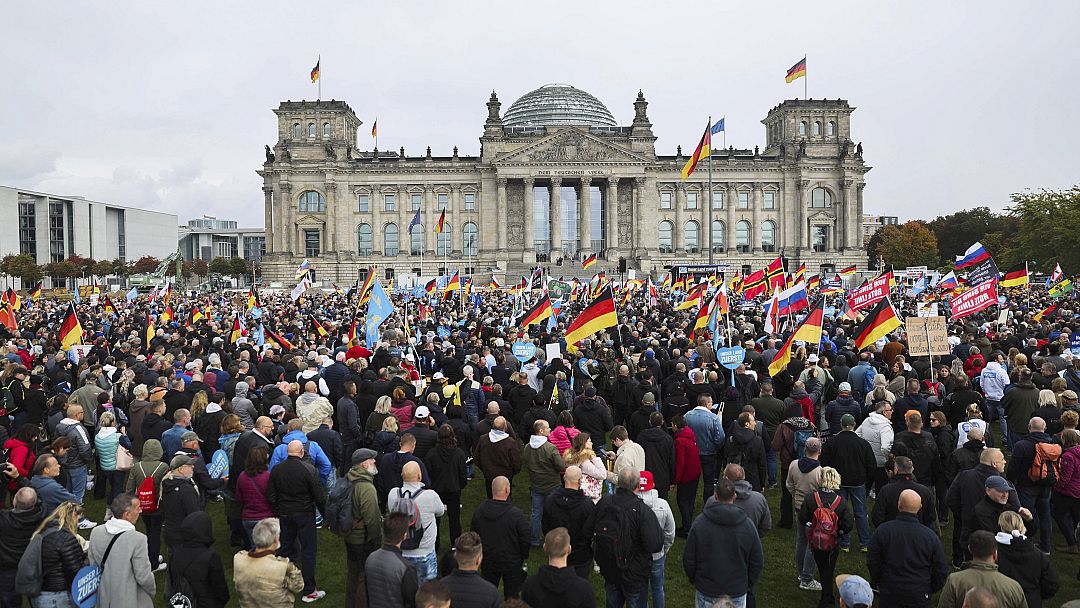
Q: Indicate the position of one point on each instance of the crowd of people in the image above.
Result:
(608, 445)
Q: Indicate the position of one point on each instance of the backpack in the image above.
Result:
(799, 438)
(29, 575)
(407, 504)
(147, 492)
(179, 591)
(7, 399)
(1043, 470)
(338, 515)
(824, 526)
(612, 540)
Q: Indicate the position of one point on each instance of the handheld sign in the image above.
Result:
(219, 464)
(85, 585)
(731, 357)
(524, 350)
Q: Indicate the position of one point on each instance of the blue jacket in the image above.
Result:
(170, 440)
(707, 430)
(312, 449)
(50, 492)
(861, 378)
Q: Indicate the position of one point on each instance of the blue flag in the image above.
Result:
(415, 220)
(379, 308)
(718, 127)
(78, 299)
(260, 336)
(133, 294)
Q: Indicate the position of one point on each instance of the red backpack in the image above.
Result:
(147, 491)
(824, 526)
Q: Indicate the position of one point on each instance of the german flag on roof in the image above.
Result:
(540, 311)
(881, 320)
(597, 316)
(702, 152)
(794, 72)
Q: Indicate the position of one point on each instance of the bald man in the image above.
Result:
(421, 555)
(498, 454)
(568, 507)
(294, 491)
(504, 532)
(311, 407)
(1034, 495)
(901, 552)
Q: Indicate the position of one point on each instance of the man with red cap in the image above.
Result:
(662, 510)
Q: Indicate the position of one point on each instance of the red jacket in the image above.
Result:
(20, 455)
(687, 460)
(1068, 481)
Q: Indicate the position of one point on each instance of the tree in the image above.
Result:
(238, 267)
(1047, 222)
(121, 268)
(145, 265)
(22, 266)
(196, 267)
(957, 231)
(220, 266)
(102, 268)
(910, 244)
(62, 270)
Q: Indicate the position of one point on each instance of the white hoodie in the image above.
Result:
(877, 430)
(535, 441)
(662, 510)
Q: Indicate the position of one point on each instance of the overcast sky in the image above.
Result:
(167, 105)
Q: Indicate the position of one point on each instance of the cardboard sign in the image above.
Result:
(552, 351)
(927, 336)
(871, 293)
(731, 357)
(219, 465)
(979, 298)
(524, 350)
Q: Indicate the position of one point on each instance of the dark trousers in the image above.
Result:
(512, 577)
(583, 570)
(708, 475)
(350, 447)
(1037, 500)
(298, 538)
(685, 494)
(899, 600)
(8, 597)
(663, 492)
(152, 521)
(826, 564)
(957, 529)
(1067, 514)
(355, 578)
(787, 503)
(453, 516)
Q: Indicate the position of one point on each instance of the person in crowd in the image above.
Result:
(877, 430)
(555, 584)
(826, 497)
(431, 507)
(886, 507)
(449, 475)
(544, 465)
(424, 430)
(365, 536)
(250, 493)
(179, 498)
(467, 588)
(79, 458)
(646, 490)
(261, 578)
(62, 555)
(564, 431)
(1034, 489)
(295, 492)
(746, 498)
(709, 434)
(902, 552)
(593, 473)
(391, 465)
(627, 455)
(149, 492)
(1065, 499)
(497, 454)
(804, 478)
(196, 561)
(1020, 560)
(854, 459)
(19, 523)
(391, 579)
(981, 572)
(626, 563)
(506, 538)
(1018, 406)
(569, 508)
(723, 554)
(109, 441)
(170, 439)
(154, 423)
(312, 450)
(126, 577)
(48, 489)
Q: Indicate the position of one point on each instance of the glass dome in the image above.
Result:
(558, 104)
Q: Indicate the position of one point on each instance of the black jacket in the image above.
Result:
(197, 561)
(553, 587)
(179, 498)
(851, 456)
(18, 526)
(61, 558)
(294, 488)
(923, 452)
(1023, 454)
(900, 555)
(208, 428)
(1021, 561)
(886, 507)
(646, 537)
(659, 455)
(520, 397)
(843, 510)
(470, 590)
(964, 458)
(572, 510)
(348, 422)
(745, 447)
(330, 442)
(723, 553)
(639, 420)
(531, 416)
(153, 426)
(447, 469)
(426, 438)
(967, 490)
(593, 418)
(243, 445)
(504, 531)
(985, 516)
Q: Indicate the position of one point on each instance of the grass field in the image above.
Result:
(778, 585)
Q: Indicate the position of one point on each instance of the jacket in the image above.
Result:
(50, 492)
(294, 488)
(179, 498)
(1023, 454)
(744, 447)
(154, 426)
(126, 579)
(646, 537)
(1008, 592)
(544, 464)
(1068, 474)
(851, 456)
(137, 412)
(963, 458)
(723, 554)
(593, 417)
(208, 427)
(966, 491)
(149, 465)
(1019, 404)
(108, 441)
(391, 581)
(1021, 561)
(628, 456)
(431, 507)
(504, 531)
(61, 558)
(197, 561)
(264, 580)
(661, 509)
(659, 455)
(497, 454)
(804, 477)
(311, 449)
(330, 442)
(886, 507)
(902, 553)
(754, 504)
(447, 469)
(783, 442)
(469, 590)
(836, 409)
(18, 526)
(923, 452)
(80, 454)
(993, 381)
(809, 505)
(877, 430)
(20, 455)
(571, 509)
(561, 436)
(426, 438)
(251, 494)
(707, 429)
(312, 409)
(389, 477)
(367, 519)
(553, 587)
(244, 407)
(348, 422)
(905, 404)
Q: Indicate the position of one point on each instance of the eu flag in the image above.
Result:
(415, 220)
(718, 127)
(379, 308)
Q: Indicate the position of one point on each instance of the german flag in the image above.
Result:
(702, 320)
(694, 297)
(667, 282)
(540, 311)
(1046, 312)
(796, 71)
(800, 273)
(167, 315)
(431, 286)
(589, 262)
(168, 293)
(35, 293)
(814, 282)
(597, 316)
(365, 291)
(206, 312)
(13, 298)
(319, 329)
(809, 331)
(375, 128)
(352, 330)
(850, 270)
(315, 71)
(7, 317)
(736, 283)
(194, 317)
(109, 308)
(878, 324)
(1015, 276)
(453, 285)
(71, 331)
(253, 299)
(441, 224)
(494, 283)
(701, 153)
(237, 330)
(277, 340)
(148, 332)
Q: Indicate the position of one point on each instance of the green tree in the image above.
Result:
(238, 267)
(221, 266)
(910, 244)
(22, 266)
(121, 268)
(102, 268)
(196, 267)
(1046, 231)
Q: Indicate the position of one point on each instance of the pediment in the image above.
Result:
(310, 221)
(822, 217)
(570, 146)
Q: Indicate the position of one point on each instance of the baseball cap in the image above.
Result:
(422, 412)
(1071, 395)
(645, 481)
(438, 376)
(997, 482)
(648, 399)
(845, 387)
(854, 590)
(190, 436)
(363, 454)
(180, 460)
(847, 420)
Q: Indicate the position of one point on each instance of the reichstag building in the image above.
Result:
(557, 180)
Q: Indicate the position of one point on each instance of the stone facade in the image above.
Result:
(800, 197)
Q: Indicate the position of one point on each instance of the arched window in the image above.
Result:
(690, 237)
(445, 243)
(363, 239)
(802, 129)
(820, 198)
(718, 236)
(469, 243)
(768, 236)
(390, 239)
(742, 237)
(326, 129)
(667, 237)
(817, 128)
(311, 129)
(416, 240)
(311, 200)
(830, 129)
(297, 132)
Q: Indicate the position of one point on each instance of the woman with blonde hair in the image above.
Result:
(107, 442)
(63, 553)
(1049, 410)
(593, 472)
(387, 440)
(1020, 560)
(375, 419)
(198, 405)
(825, 557)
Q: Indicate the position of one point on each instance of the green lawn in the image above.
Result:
(778, 585)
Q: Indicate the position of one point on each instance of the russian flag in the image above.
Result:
(948, 281)
(975, 254)
(792, 300)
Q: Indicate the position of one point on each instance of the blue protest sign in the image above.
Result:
(524, 350)
(1074, 344)
(219, 465)
(444, 332)
(731, 357)
(84, 587)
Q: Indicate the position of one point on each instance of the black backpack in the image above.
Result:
(339, 515)
(612, 543)
(178, 590)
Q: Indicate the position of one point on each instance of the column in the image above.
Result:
(850, 203)
(731, 199)
(678, 235)
(329, 240)
(801, 230)
(638, 246)
(757, 199)
(458, 215)
(288, 221)
(404, 216)
(529, 203)
(857, 220)
(705, 233)
(502, 227)
(429, 217)
(585, 218)
(556, 218)
(268, 219)
(611, 216)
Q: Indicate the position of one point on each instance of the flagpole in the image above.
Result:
(709, 202)
(805, 79)
(318, 62)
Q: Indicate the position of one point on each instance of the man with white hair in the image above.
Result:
(335, 373)
(260, 577)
